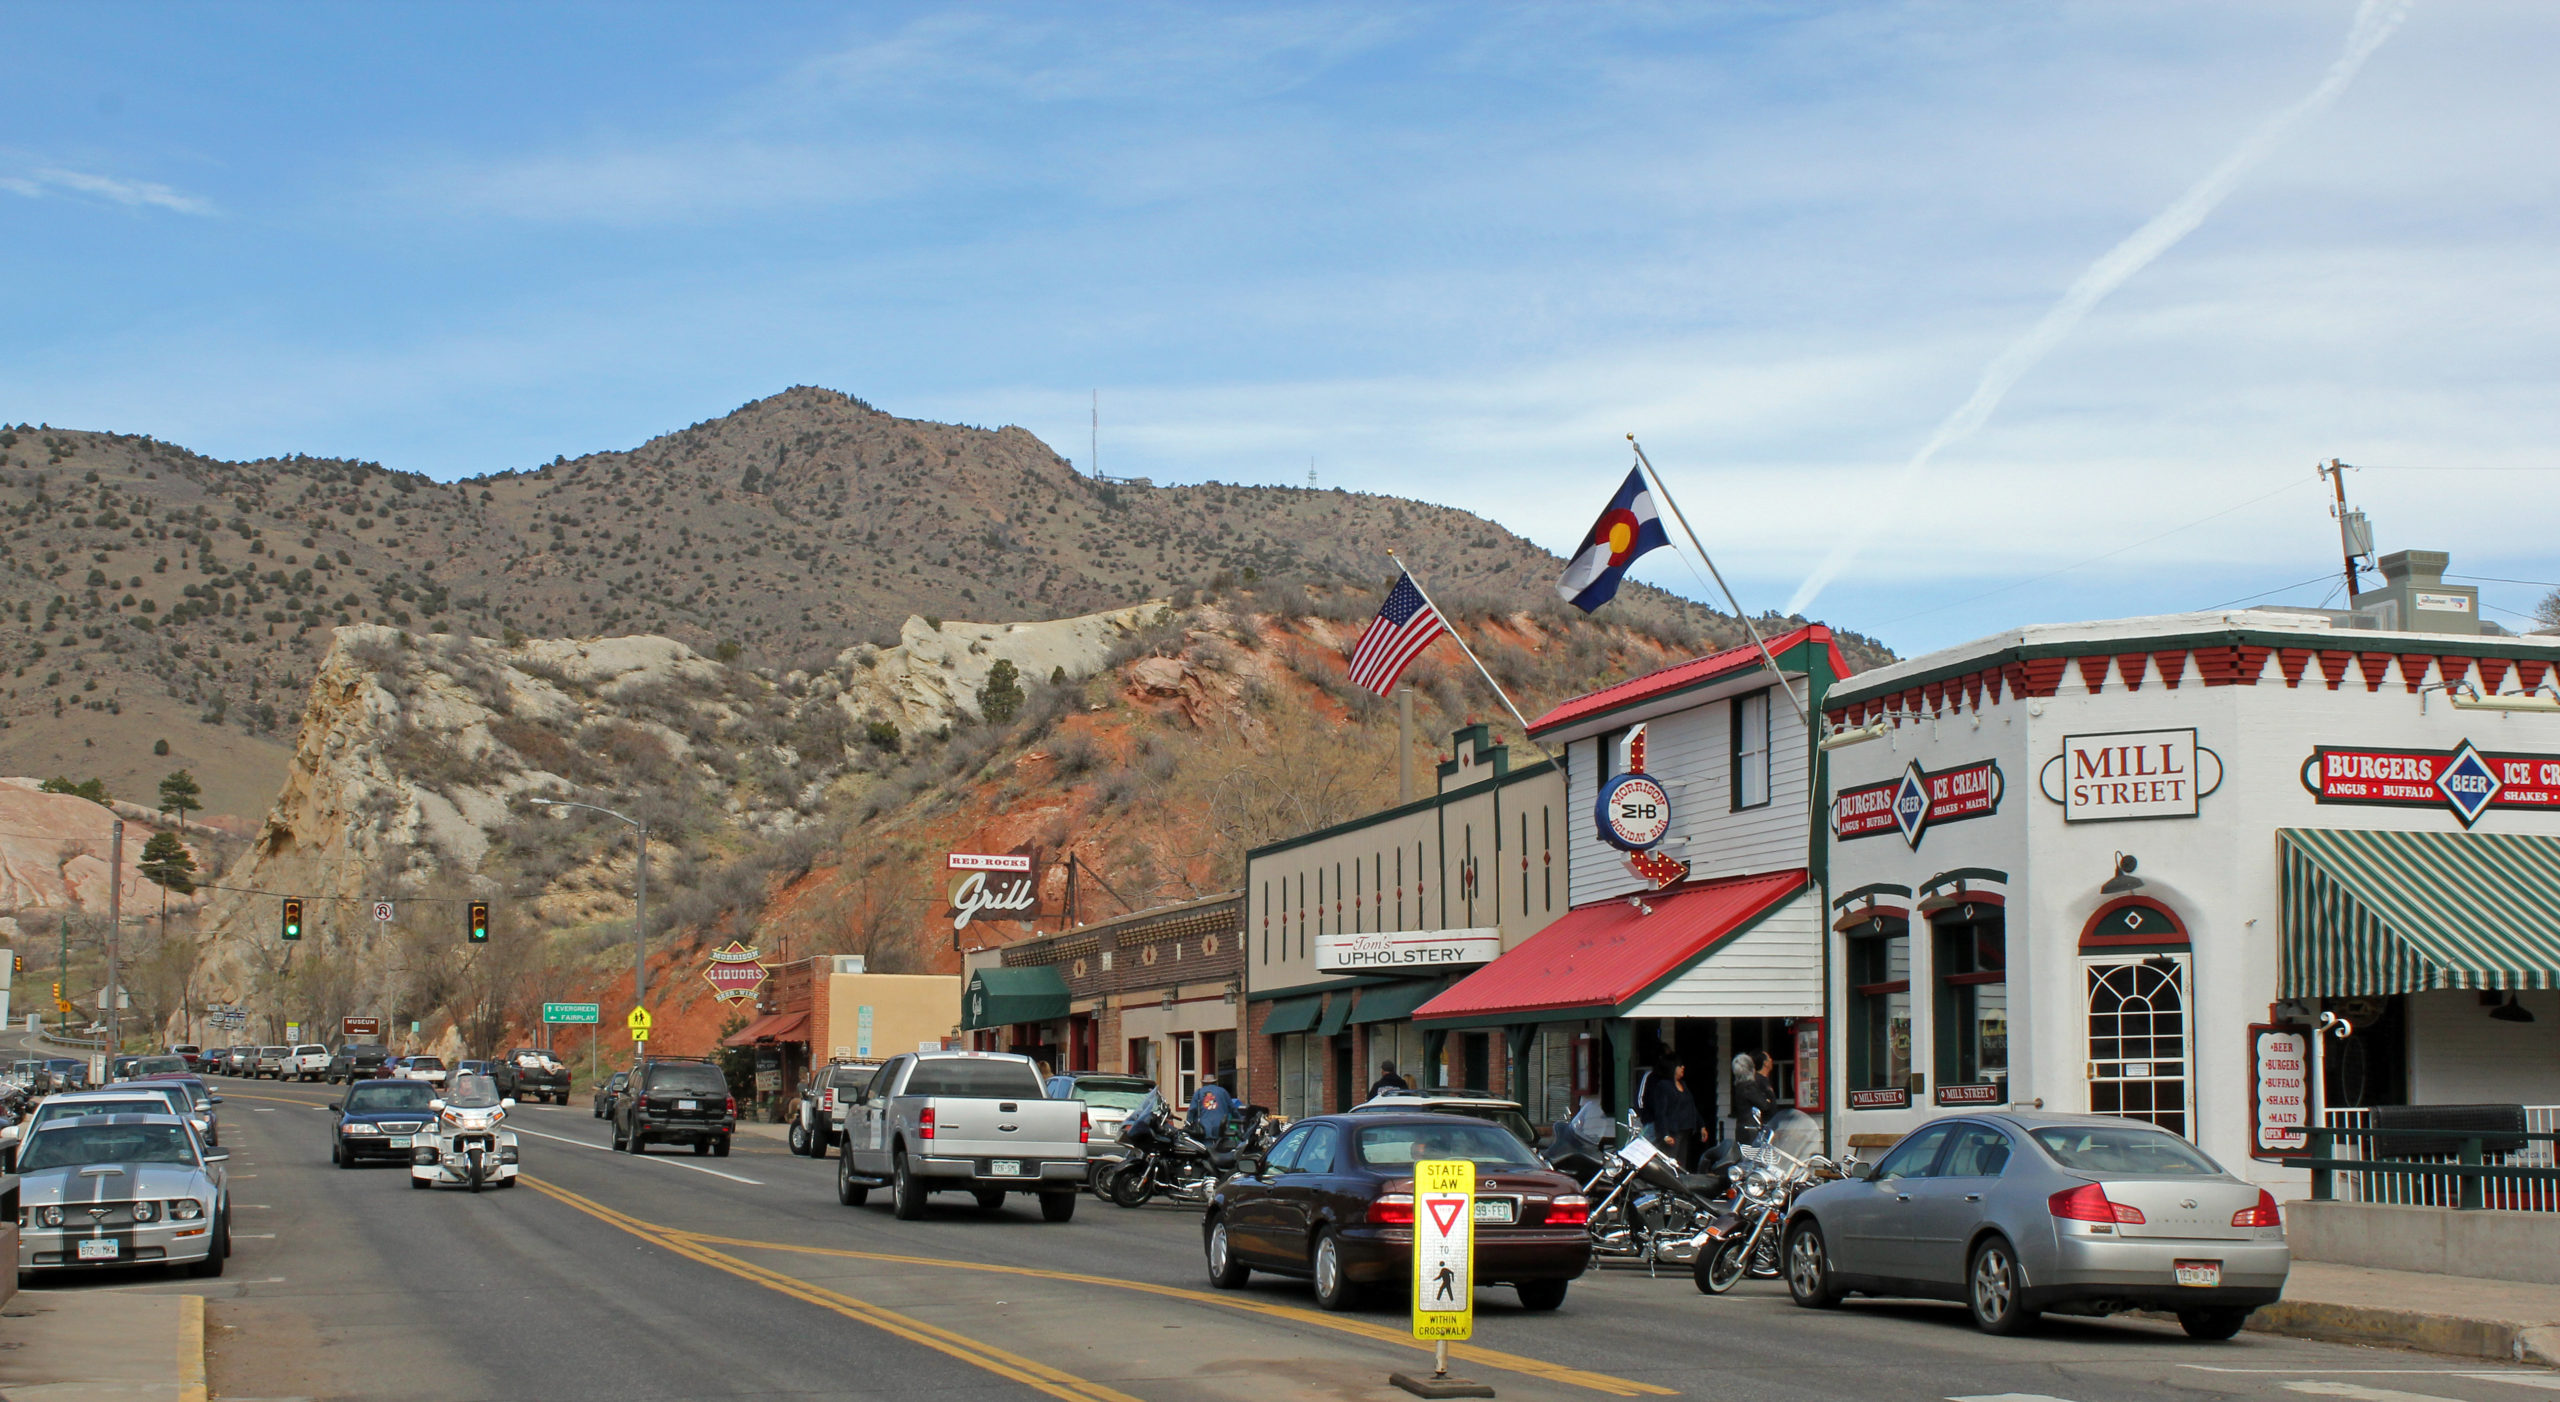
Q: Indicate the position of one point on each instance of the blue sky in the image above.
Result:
(1454, 252)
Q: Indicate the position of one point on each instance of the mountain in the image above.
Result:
(162, 609)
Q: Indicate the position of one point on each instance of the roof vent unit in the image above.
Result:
(2415, 599)
(849, 964)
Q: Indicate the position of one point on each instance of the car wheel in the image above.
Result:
(1809, 1268)
(819, 1143)
(214, 1256)
(1057, 1207)
(1334, 1290)
(417, 1182)
(799, 1137)
(1721, 1269)
(990, 1199)
(1225, 1271)
(702, 1148)
(337, 1156)
(2212, 1323)
(906, 1191)
(1994, 1289)
(1541, 1295)
(720, 1147)
(848, 1192)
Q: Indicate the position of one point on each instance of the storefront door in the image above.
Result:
(2140, 1057)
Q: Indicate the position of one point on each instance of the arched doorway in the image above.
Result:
(2135, 968)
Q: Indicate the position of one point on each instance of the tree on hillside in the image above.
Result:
(180, 795)
(1000, 700)
(167, 864)
(2547, 613)
(94, 790)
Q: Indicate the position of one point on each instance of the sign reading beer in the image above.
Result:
(2279, 1090)
(2130, 774)
(1408, 949)
(998, 885)
(1918, 801)
(2462, 779)
(734, 974)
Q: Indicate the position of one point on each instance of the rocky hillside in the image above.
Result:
(151, 596)
(806, 809)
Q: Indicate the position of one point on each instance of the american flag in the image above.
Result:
(1403, 628)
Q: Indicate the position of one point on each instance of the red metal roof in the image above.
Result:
(1697, 671)
(1604, 954)
(772, 1027)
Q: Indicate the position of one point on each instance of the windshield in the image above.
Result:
(1795, 1134)
(971, 1077)
(426, 1063)
(851, 1077)
(311, 1051)
(388, 1095)
(687, 1079)
(472, 1092)
(2123, 1149)
(73, 1143)
(1503, 1115)
(53, 1110)
(1402, 1146)
(155, 1065)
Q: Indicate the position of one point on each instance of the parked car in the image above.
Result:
(236, 1061)
(309, 1062)
(380, 1120)
(32, 1074)
(608, 1090)
(977, 1122)
(2016, 1214)
(817, 1114)
(530, 1073)
(194, 1055)
(1108, 1098)
(121, 1065)
(68, 1072)
(131, 1098)
(1333, 1203)
(201, 1102)
(117, 1190)
(271, 1061)
(675, 1101)
(355, 1061)
(1474, 1104)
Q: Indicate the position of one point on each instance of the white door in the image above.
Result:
(2141, 1044)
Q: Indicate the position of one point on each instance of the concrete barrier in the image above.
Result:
(2490, 1245)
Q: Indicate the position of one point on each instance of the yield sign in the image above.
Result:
(1445, 1212)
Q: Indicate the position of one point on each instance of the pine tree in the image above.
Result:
(1000, 700)
(180, 795)
(166, 863)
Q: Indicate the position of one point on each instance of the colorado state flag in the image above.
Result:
(1627, 529)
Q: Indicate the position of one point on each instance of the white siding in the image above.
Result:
(1691, 753)
(1773, 969)
(2459, 1055)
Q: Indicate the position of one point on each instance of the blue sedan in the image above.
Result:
(381, 1120)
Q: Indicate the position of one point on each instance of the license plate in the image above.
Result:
(2205, 1273)
(688, 1104)
(1493, 1209)
(399, 1141)
(1005, 1168)
(101, 1249)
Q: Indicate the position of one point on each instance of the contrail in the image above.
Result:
(2374, 21)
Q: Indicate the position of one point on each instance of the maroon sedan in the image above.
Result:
(1334, 1203)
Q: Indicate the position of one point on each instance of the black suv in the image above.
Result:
(679, 1101)
(355, 1061)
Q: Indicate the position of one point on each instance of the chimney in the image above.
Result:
(2415, 599)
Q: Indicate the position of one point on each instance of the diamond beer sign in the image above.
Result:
(734, 974)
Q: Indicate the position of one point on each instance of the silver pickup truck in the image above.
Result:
(962, 1121)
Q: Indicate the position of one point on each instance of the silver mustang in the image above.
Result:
(120, 1190)
(2018, 1214)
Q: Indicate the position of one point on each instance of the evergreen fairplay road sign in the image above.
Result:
(568, 1013)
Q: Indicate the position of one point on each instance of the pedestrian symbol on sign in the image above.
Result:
(382, 911)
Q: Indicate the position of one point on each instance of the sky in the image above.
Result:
(1451, 252)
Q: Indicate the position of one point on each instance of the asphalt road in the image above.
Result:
(670, 1276)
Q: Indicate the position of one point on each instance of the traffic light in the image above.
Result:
(479, 922)
(17, 963)
(293, 917)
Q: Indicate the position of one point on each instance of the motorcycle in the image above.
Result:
(466, 1142)
(1782, 1162)
(1644, 1208)
(1160, 1157)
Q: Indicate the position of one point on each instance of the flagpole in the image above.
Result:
(1683, 518)
(1460, 639)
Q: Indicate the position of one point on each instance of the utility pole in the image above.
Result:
(2355, 535)
(115, 929)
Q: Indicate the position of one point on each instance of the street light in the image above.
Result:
(640, 912)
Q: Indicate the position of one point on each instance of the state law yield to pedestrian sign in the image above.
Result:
(1444, 1239)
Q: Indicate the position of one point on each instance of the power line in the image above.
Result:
(2435, 467)
(2493, 579)
(2315, 579)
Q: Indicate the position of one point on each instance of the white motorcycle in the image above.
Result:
(466, 1144)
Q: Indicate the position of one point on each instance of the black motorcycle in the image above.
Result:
(1162, 1158)
(1643, 1207)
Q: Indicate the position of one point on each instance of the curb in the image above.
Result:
(191, 1382)
(2502, 1340)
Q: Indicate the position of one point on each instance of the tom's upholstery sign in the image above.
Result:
(1409, 949)
(2462, 779)
(2130, 774)
(1918, 801)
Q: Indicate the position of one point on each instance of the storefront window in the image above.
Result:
(1973, 995)
(1880, 1008)
(1750, 750)
(1292, 1051)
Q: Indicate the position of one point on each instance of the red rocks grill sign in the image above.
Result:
(734, 974)
(1918, 801)
(2462, 779)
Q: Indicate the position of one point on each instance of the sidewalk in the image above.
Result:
(2505, 1320)
(102, 1346)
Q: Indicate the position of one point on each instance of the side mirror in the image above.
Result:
(218, 1156)
(1863, 1172)
(436, 1104)
(507, 1103)
(213, 1100)
(1249, 1164)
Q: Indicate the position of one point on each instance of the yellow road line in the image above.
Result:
(1029, 1372)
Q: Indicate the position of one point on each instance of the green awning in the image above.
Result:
(1001, 997)
(1336, 1013)
(1289, 1015)
(2369, 913)
(1394, 1002)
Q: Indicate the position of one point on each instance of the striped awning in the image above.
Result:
(2398, 912)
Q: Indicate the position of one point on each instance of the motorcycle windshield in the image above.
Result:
(1141, 1121)
(1795, 1134)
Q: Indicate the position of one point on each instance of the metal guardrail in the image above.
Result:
(2467, 1175)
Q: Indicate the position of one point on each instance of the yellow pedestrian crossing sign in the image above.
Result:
(638, 1022)
(1444, 1239)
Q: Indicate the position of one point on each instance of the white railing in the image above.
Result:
(2428, 1190)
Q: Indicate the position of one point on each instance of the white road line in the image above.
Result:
(2008, 1397)
(2549, 1381)
(261, 1110)
(2369, 1372)
(646, 1158)
(254, 1236)
(2358, 1392)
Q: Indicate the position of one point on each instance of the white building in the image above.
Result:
(2123, 867)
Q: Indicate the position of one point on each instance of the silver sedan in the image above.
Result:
(121, 1190)
(2015, 1215)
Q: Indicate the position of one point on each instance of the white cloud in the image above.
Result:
(133, 194)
